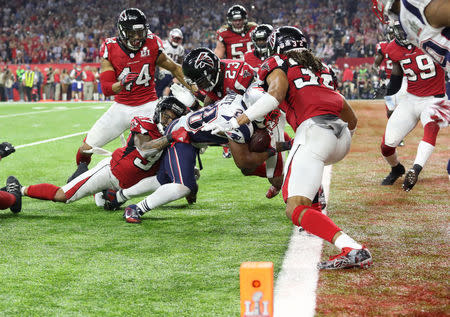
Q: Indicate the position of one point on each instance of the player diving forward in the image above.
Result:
(129, 165)
(176, 174)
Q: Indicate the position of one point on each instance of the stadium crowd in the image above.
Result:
(36, 32)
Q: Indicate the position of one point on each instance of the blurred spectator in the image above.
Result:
(77, 74)
(28, 82)
(2, 84)
(348, 86)
(65, 83)
(9, 83)
(49, 87)
(88, 85)
(55, 32)
(78, 55)
(38, 81)
(19, 82)
(57, 78)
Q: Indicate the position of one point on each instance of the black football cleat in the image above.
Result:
(13, 187)
(396, 172)
(82, 167)
(411, 177)
(347, 259)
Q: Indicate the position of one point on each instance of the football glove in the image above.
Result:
(128, 79)
(6, 149)
(183, 95)
(225, 126)
(180, 136)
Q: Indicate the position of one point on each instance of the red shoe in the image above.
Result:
(347, 259)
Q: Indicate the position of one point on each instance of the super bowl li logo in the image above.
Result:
(145, 51)
(256, 307)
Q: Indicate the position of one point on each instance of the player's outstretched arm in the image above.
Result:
(166, 62)
(180, 135)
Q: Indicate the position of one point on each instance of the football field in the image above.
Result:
(183, 260)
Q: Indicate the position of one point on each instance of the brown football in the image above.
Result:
(260, 141)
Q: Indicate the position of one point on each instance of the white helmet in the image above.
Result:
(175, 37)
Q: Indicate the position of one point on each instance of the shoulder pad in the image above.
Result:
(110, 40)
(223, 28)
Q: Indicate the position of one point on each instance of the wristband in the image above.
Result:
(107, 79)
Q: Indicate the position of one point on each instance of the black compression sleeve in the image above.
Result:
(395, 83)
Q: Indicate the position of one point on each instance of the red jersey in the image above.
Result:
(309, 94)
(425, 77)
(386, 64)
(142, 62)
(253, 59)
(236, 44)
(237, 77)
(129, 167)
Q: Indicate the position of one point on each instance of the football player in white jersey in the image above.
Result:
(426, 23)
(174, 49)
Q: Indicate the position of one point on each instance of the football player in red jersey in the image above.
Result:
(383, 62)
(424, 101)
(217, 78)
(259, 37)
(127, 166)
(255, 58)
(127, 70)
(10, 196)
(323, 121)
(233, 40)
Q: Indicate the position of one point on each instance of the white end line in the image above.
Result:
(295, 288)
(50, 140)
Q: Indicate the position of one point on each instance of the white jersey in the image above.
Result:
(175, 53)
(221, 111)
(434, 41)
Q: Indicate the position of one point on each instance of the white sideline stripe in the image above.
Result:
(295, 288)
(38, 112)
(50, 140)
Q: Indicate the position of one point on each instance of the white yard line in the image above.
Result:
(295, 288)
(42, 111)
(50, 140)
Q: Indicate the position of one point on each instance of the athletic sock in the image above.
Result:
(317, 223)
(83, 157)
(6, 200)
(424, 151)
(145, 186)
(344, 241)
(163, 195)
(42, 191)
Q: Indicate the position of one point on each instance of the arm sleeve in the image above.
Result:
(395, 83)
(107, 79)
(261, 107)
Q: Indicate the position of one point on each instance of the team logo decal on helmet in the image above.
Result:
(203, 60)
(202, 67)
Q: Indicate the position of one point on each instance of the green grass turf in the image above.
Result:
(79, 260)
